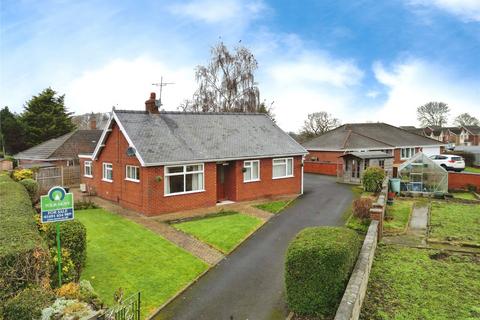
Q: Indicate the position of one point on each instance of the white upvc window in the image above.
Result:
(282, 168)
(132, 173)
(87, 169)
(251, 171)
(107, 172)
(183, 179)
(407, 153)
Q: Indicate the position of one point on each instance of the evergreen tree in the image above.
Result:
(46, 117)
(12, 132)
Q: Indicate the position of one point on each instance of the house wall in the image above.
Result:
(147, 196)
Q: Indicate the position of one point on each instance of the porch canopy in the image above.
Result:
(422, 174)
(369, 155)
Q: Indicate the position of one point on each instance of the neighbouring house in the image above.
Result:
(157, 162)
(355, 163)
(6, 164)
(472, 136)
(326, 151)
(61, 151)
(460, 136)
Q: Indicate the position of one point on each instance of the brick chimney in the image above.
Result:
(92, 122)
(151, 105)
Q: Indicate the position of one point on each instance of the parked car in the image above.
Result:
(449, 162)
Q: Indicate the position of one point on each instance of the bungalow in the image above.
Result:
(387, 147)
(156, 162)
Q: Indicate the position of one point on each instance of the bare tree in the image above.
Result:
(227, 83)
(433, 114)
(466, 119)
(318, 123)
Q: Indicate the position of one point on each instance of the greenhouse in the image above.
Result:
(421, 174)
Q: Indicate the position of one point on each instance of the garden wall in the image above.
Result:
(329, 169)
(352, 300)
(463, 180)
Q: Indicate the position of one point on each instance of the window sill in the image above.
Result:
(182, 193)
(106, 180)
(286, 177)
(86, 176)
(249, 181)
(132, 180)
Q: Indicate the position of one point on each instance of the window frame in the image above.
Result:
(85, 169)
(129, 166)
(104, 166)
(251, 170)
(166, 175)
(403, 153)
(286, 168)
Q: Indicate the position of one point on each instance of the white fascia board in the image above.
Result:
(130, 142)
(85, 156)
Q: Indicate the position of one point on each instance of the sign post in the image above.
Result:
(57, 206)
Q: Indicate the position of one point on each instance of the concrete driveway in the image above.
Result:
(249, 283)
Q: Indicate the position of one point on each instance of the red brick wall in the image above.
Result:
(324, 156)
(329, 169)
(457, 181)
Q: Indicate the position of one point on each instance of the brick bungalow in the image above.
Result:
(157, 162)
(326, 151)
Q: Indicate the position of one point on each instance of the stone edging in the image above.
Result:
(351, 304)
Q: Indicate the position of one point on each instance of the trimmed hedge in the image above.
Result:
(28, 304)
(32, 189)
(373, 179)
(24, 258)
(318, 265)
(73, 238)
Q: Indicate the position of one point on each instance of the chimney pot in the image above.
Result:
(150, 104)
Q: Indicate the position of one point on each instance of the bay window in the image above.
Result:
(282, 168)
(184, 179)
(107, 172)
(251, 171)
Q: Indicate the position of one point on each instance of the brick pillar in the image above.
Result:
(377, 214)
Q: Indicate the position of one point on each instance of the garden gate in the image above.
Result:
(127, 309)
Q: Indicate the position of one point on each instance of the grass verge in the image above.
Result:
(274, 206)
(223, 232)
(472, 170)
(408, 283)
(397, 216)
(123, 254)
(455, 222)
(464, 195)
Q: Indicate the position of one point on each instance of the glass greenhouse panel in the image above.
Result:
(421, 174)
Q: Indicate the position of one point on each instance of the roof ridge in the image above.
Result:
(192, 112)
(346, 138)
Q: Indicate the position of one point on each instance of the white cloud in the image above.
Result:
(226, 11)
(126, 84)
(468, 10)
(416, 82)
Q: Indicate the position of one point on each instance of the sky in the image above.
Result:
(362, 60)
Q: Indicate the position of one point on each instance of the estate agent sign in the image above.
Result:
(57, 206)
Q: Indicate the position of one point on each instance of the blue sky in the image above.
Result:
(359, 60)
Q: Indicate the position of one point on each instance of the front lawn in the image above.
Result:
(472, 170)
(223, 232)
(408, 283)
(455, 222)
(123, 254)
(397, 216)
(464, 195)
(273, 207)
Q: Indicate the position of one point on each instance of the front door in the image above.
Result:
(220, 182)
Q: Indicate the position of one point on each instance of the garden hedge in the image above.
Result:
(318, 265)
(23, 252)
(28, 304)
(32, 189)
(373, 179)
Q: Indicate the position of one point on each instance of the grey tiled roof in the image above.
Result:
(170, 137)
(67, 146)
(367, 136)
(369, 155)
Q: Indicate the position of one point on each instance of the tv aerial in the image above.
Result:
(160, 85)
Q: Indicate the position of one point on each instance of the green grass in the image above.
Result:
(223, 232)
(358, 224)
(273, 207)
(397, 216)
(472, 169)
(408, 283)
(464, 195)
(121, 253)
(455, 222)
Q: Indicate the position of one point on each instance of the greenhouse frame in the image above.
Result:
(422, 175)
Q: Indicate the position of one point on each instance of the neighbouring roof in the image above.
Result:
(473, 129)
(170, 137)
(67, 146)
(369, 155)
(359, 136)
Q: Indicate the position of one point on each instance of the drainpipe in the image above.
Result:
(301, 188)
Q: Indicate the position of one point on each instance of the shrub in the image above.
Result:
(73, 238)
(23, 252)
(361, 208)
(32, 189)
(70, 290)
(81, 205)
(318, 265)
(373, 179)
(28, 304)
(22, 174)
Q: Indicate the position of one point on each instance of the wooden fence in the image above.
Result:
(57, 176)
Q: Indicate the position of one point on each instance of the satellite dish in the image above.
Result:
(130, 151)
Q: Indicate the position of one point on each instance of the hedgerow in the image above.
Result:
(23, 252)
(32, 189)
(373, 179)
(27, 304)
(318, 265)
